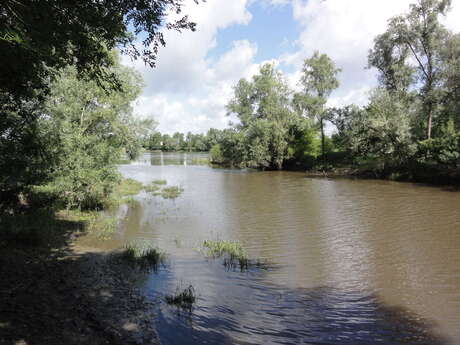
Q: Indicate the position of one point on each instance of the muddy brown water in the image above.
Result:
(351, 261)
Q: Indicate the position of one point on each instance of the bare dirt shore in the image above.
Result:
(58, 293)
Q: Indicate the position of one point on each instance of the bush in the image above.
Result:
(216, 154)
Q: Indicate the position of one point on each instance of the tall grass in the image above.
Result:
(144, 255)
(232, 253)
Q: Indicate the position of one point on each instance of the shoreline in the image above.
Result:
(68, 294)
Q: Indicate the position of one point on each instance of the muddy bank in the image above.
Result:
(58, 293)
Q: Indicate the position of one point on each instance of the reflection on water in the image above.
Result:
(356, 262)
(172, 158)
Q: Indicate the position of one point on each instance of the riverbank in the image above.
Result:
(427, 176)
(60, 293)
(55, 291)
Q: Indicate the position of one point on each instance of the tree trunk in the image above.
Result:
(430, 122)
(321, 121)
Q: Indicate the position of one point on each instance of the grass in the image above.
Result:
(159, 182)
(94, 223)
(183, 298)
(232, 253)
(144, 255)
(152, 188)
(123, 192)
(102, 227)
(199, 161)
(128, 187)
(172, 192)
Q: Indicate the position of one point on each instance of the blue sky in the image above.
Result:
(196, 71)
(272, 27)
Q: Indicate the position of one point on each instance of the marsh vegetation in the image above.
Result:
(183, 298)
(232, 253)
(144, 255)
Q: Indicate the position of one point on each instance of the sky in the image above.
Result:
(196, 71)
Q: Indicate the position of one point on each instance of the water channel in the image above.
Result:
(350, 261)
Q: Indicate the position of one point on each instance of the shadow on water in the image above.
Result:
(53, 293)
(242, 308)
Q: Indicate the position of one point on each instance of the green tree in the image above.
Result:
(418, 36)
(265, 116)
(319, 79)
(381, 132)
(41, 37)
(92, 128)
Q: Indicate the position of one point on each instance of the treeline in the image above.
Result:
(409, 129)
(181, 142)
(65, 100)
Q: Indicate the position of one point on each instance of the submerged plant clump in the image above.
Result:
(128, 187)
(232, 253)
(183, 298)
(171, 192)
(144, 255)
(152, 188)
(159, 182)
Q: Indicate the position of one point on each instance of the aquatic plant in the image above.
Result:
(128, 187)
(183, 298)
(171, 192)
(101, 226)
(232, 253)
(152, 188)
(159, 182)
(199, 161)
(143, 254)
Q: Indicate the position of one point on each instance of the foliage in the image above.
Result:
(216, 154)
(42, 37)
(180, 142)
(382, 130)
(261, 137)
(92, 128)
(443, 151)
(319, 79)
(408, 54)
(55, 49)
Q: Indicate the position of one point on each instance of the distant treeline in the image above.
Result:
(410, 129)
(182, 142)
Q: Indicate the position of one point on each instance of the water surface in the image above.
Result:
(352, 261)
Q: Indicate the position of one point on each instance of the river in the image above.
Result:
(350, 261)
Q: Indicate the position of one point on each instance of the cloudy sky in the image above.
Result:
(195, 73)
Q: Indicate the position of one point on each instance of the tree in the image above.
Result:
(41, 37)
(92, 128)
(265, 116)
(38, 40)
(417, 35)
(381, 131)
(319, 79)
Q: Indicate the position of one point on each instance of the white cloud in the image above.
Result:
(345, 30)
(187, 91)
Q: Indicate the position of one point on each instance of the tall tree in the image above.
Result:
(319, 79)
(418, 36)
(263, 107)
